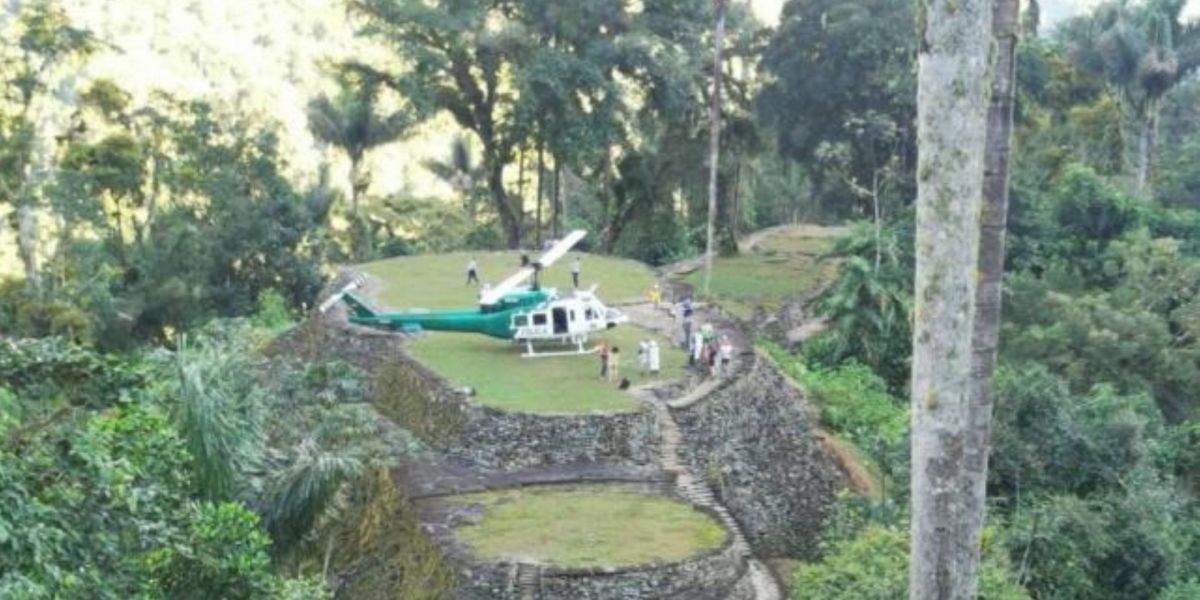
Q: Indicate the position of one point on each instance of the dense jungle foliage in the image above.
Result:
(152, 447)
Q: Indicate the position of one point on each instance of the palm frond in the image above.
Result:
(300, 493)
(327, 122)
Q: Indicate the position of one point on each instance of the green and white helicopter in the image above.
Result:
(512, 310)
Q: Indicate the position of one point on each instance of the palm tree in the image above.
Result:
(1144, 50)
(460, 172)
(351, 122)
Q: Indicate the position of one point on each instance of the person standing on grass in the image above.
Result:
(655, 295)
(655, 358)
(472, 272)
(643, 356)
(604, 354)
(576, 265)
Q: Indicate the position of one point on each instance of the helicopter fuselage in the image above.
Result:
(527, 315)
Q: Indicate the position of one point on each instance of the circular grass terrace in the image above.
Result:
(596, 526)
(494, 368)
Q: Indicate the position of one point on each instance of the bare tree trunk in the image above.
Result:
(993, 224)
(878, 218)
(952, 106)
(558, 205)
(541, 174)
(501, 202)
(27, 238)
(736, 200)
(521, 180)
(714, 138)
(360, 230)
(1146, 144)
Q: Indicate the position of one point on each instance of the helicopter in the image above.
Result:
(510, 311)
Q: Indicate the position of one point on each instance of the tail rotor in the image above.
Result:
(354, 284)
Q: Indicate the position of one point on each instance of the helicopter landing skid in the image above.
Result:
(579, 350)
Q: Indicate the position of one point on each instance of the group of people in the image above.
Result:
(610, 363)
(473, 270)
(649, 361)
(706, 350)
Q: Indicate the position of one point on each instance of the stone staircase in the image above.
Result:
(698, 492)
(528, 581)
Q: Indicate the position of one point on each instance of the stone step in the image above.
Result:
(527, 581)
(765, 587)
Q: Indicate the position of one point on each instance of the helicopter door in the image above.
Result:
(560, 320)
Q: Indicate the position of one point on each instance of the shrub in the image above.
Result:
(873, 565)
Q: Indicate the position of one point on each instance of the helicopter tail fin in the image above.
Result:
(358, 306)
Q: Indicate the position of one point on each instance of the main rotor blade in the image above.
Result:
(553, 254)
(561, 248)
(494, 295)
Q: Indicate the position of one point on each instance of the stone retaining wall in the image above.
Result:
(754, 442)
(497, 439)
(490, 438)
(715, 575)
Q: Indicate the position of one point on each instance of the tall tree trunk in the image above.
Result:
(878, 217)
(356, 187)
(521, 178)
(541, 174)
(558, 203)
(358, 227)
(993, 221)
(1146, 145)
(736, 201)
(500, 201)
(27, 238)
(952, 106)
(714, 138)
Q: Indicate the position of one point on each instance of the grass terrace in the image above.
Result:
(587, 526)
(494, 368)
(782, 266)
(437, 281)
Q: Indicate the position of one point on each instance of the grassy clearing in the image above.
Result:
(590, 526)
(782, 266)
(559, 384)
(494, 368)
(439, 281)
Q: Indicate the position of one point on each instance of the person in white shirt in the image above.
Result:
(655, 358)
(697, 347)
(575, 267)
(726, 349)
(472, 272)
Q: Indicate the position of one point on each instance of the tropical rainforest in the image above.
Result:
(155, 442)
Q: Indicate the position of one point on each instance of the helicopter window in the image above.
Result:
(588, 314)
(520, 321)
(539, 319)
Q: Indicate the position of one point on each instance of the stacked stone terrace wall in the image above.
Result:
(754, 441)
(507, 440)
(714, 575)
